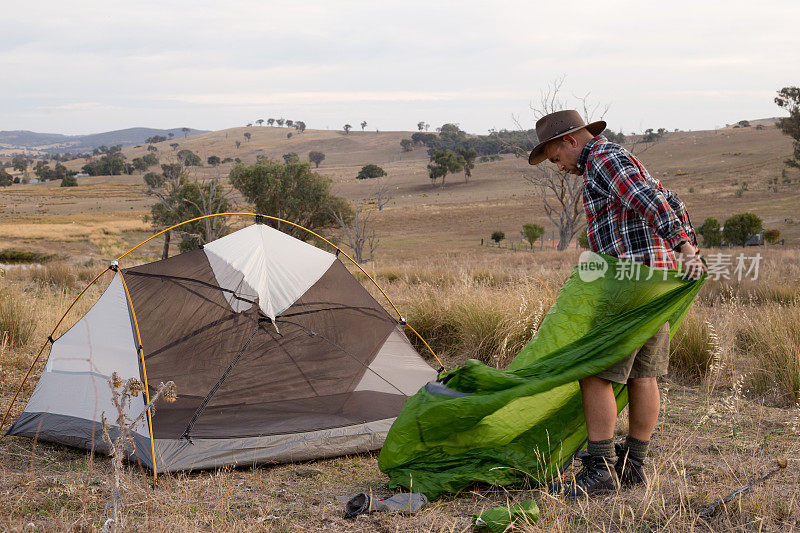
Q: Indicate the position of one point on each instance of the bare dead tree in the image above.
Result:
(121, 445)
(360, 234)
(561, 192)
(382, 193)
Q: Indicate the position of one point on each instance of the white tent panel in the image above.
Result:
(262, 260)
(397, 367)
(75, 380)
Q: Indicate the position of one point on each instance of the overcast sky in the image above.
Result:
(81, 67)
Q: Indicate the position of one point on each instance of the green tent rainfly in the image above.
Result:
(481, 424)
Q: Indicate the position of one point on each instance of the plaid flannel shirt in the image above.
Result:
(629, 214)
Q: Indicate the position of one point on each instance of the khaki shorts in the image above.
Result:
(651, 360)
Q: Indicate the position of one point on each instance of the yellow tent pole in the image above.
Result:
(49, 339)
(140, 351)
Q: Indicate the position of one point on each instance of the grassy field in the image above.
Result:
(729, 405)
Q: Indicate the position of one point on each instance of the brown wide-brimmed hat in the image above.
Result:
(557, 125)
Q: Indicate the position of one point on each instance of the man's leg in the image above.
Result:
(599, 408)
(644, 406)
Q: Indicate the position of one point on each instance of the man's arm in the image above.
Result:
(627, 183)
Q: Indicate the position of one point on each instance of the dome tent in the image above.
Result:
(277, 352)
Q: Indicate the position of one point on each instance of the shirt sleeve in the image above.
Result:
(626, 182)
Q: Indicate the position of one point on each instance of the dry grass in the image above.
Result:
(722, 422)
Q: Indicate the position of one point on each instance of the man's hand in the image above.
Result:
(692, 265)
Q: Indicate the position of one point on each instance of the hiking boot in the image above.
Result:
(597, 476)
(630, 470)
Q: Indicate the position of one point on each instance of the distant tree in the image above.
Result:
(468, 155)
(270, 121)
(300, 126)
(444, 162)
(370, 171)
(189, 158)
(407, 145)
(382, 193)
(69, 181)
(618, 138)
(139, 164)
(291, 157)
(789, 99)
(744, 123)
(260, 122)
(170, 135)
(772, 235)
(238, 144)
(710, 231)
(498, 236)
(6, 179)
(185, 132)
(154, 180)
(739, 228)
(174, 146)
(316, 158)
(289, 123)
(155, 139)
(347, 128)
(150, 159)
(248, 124)
(214, 160)
(360, 233)
(289, 135)
(152, 148)
(228, 160)
(280, 122)
(292, 192)
(247, 135)
(60, 171)
(532, 232)
(421, 125)
(363, 125)
(172, 172)
(20, 163)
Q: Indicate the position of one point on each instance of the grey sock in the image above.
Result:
(603, 448)
(637, 449)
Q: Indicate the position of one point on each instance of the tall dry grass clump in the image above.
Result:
(692, 348)
(17, 317)
(770, 340)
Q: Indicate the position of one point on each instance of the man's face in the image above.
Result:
(564, 153)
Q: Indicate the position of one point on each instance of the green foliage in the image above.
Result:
(189, 158)
(172, 171)
(738, 228)
(444, 162)
(292, 192)
(188, 199)
(291, 157)
(710, 231)
(370, 171)
(111, 164)
(138, 163)
(532, 232)
(214, 160)
(69, 181)
(316, 158)
(155, 139)
(450, 137)
(772, 235)
(583, 239)
(789, 99)
(407, 145)
(744, 123)
(154, 180)
(498, 236)
(618, 138)
(19, 163)
(468, 155)
(6, 179)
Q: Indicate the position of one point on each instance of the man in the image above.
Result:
(628, 215)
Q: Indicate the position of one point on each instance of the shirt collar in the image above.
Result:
(583, 158)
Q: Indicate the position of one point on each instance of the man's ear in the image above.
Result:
(569, 139)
